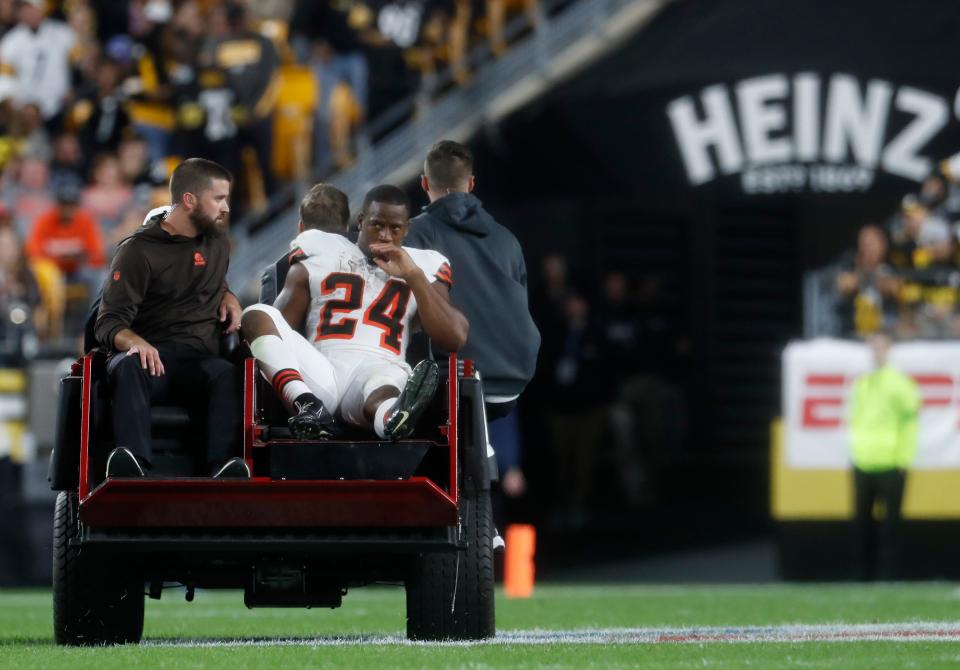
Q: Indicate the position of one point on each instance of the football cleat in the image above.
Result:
(235, 468)
(413, 400)
(122, 463)
(312, 421)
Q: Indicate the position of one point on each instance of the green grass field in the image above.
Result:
(216, 631)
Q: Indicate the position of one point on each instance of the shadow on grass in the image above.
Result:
(26, 641)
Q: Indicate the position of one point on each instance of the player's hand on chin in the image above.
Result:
(392, 259)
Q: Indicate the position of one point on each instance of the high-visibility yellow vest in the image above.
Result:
(883, 420)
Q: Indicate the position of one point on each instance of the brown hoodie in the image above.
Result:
(166, 288)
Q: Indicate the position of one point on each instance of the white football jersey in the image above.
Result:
(354, 305)
(35, 66)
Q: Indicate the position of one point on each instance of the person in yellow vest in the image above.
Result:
(883, 433)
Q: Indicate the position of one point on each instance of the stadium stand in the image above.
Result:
(132, 92)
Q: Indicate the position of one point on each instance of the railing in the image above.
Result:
(822, 302)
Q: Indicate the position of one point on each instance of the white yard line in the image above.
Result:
(892, 632)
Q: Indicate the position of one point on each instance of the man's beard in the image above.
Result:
(206, 225)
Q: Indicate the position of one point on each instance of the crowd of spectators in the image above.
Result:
(100, 98)
(905, 275)
(368, 56)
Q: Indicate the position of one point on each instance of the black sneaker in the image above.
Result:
(413, 400)
(122, 463)
(313, 421)
(235, 468)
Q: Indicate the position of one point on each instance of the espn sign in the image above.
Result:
(826, 395)
(818, 378)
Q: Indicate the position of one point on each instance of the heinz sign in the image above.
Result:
(805, 132)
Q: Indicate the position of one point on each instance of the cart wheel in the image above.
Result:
(95, 602)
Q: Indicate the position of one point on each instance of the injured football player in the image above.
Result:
(356, 303)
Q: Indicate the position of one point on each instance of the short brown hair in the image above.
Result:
(449, 165)
(194, 176)
(325, 208)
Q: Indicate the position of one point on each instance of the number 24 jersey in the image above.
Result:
(354, 305)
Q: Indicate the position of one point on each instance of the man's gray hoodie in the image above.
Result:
(489, 287)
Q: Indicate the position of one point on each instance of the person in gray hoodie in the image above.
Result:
(491, 283)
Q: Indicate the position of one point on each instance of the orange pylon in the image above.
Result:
(518, 568)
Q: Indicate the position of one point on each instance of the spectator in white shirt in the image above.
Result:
(35, 61)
